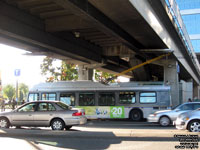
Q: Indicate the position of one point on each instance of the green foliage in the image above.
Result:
(103, 77)
(65, 72)
(9, 91)
(23, 91)
(68, 72)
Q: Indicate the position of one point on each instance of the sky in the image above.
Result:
(12, 58)
(30, 73)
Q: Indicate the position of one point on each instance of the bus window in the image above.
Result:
(106, 99)
(127, 97)
(48, 96)
(33, 97)
(147, 97)
(86, 99)
(68, 98)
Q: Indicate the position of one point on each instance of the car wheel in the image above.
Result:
(4, 123)
(57, 124)
(194, 126)
(164, 121)
(135, 115)
(67, 127)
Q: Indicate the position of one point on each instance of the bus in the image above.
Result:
(121, 100)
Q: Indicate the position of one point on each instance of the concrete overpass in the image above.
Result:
(109, 35)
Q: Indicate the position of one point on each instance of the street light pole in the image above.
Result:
(17, 90)
(17, 74)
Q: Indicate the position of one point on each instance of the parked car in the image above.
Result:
(166, 117)
(189, 121)
(44, 114)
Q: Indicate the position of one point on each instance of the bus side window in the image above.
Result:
(33, 97)
(86, 99)
(48, 96)
(127, 98)
(106, 99)
(148, 97)
(68, 98)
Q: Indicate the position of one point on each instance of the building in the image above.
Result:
(190, 11)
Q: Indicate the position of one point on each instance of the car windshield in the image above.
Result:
(62, 105)
(176, 106)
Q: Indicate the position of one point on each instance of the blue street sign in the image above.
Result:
(17, 72)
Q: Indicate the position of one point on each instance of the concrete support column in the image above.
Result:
(196, 91)
(171, 78)
(85, 73)
(140, 74)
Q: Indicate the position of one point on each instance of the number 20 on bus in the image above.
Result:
(117, 112)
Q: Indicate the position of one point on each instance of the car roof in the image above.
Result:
(39, 101)
(191, 103)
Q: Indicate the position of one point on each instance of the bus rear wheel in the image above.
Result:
(136, 115)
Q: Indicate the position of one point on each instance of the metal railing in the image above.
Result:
(175, 12)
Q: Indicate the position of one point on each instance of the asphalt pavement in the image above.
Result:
(95, 135)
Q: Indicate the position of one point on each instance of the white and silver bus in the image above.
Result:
(123, 100)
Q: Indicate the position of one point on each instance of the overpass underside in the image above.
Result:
(110, 35)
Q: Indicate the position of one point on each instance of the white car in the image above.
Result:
(189, 121)
(166, 117)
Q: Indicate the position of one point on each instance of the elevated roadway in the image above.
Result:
(109, 35)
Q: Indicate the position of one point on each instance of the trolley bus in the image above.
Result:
(122, 100)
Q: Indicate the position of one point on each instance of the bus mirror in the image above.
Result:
(70, 107)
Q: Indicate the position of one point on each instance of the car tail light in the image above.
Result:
(77, 114)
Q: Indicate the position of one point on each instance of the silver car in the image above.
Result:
(44, 114)
(189, 121)
(166, 117)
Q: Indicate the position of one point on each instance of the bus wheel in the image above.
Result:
(135, 115)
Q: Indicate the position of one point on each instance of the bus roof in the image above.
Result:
(93, 86)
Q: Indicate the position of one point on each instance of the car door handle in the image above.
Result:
(30, 115)
(51, 114)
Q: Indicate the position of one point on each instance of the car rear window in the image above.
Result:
(62, 105)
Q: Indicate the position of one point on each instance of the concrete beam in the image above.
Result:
(28, 30)
(22, 30)
(66, 23)
(156, 16)
(85, 10)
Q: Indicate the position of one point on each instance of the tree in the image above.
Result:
(23, 91)
(9, 91)
(65, 72)
(103, 77)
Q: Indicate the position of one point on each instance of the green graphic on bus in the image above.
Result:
(104, 111)
(117, 112)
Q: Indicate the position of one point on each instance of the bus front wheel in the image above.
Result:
(136, 115)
